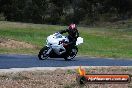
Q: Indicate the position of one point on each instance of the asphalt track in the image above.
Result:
(28, 61)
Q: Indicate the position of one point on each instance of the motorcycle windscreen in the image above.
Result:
(79, 40)
(51, 39)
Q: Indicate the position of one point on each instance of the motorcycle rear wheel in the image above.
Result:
(72, 55)
(42, 54)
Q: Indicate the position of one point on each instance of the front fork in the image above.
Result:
(49, 50)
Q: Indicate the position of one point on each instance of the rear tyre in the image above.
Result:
(72, 54)
(42, 54)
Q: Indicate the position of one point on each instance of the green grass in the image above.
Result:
(107, 43)
(98, 42)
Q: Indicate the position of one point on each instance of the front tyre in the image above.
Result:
(42, 53)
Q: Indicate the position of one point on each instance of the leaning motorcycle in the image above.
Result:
(57, 47)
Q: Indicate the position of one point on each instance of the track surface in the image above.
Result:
(27, 61)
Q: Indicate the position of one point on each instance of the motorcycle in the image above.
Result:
(57, 47)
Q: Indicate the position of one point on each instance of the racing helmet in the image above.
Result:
(72, 27)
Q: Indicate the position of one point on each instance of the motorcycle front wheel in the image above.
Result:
(42, 53)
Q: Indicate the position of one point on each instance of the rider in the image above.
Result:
(73, 34)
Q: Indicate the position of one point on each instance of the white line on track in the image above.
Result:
(54, 68)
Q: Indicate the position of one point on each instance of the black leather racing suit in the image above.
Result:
(73, 34)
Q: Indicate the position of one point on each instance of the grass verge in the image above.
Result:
(98, 42)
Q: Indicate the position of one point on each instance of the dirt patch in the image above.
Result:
(10, 43)
(59, 78)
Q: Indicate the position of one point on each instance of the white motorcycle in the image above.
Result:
(56, 47)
